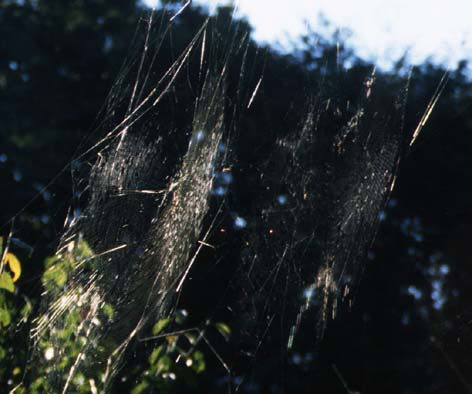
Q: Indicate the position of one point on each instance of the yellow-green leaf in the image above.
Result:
(108, 311)
(54, 276)
(6, 282)
(164, 364)
(223, 329)
(156, 353)
(159, 326)
(14, 264)
(5, 318)
(140, 388)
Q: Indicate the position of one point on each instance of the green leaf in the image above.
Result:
(223, 329)
(6, 282)
(27, 309)
(164, 364)
(198, 364)
(51, 262)
(79, 380)
(83, 250)
(54, 275)
(140, 388)
(192, 338)
(108, 311)
(159, 326)
(155, 355)
(5, 317)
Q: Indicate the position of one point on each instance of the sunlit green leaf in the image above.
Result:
(140, 388)
(159, 326)
(156, 353)
(5, 317)
(223, 329)
(164, 364)
(79, 379)
(192, 338)
(108, 311)
(6, 282)
(55, 275)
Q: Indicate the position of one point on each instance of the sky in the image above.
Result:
(381, 30)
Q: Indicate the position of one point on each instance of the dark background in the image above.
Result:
(409, 330)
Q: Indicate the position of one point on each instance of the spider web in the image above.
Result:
(162, 190)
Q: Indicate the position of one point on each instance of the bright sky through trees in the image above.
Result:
(382, 30)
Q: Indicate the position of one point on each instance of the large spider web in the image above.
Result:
(164, 190)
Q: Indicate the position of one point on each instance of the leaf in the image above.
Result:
(159, 326)
(5, 317)
(164, 364)
(140, 388)
(108, 311)
(52, 261)
(198, 364)
(156, 353)
(27, 309)
(60, 277)
(192, 338)
(6, 282)
(181, 316)
(223, 329)
(54, 276)
(14, 264)
(79, 380)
